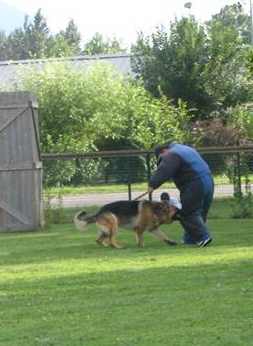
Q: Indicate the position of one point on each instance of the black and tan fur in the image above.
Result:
(140, 216)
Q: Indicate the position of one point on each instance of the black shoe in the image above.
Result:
(204, 242)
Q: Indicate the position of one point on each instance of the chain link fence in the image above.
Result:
(77, 180)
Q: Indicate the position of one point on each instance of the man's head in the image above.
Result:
(164, 196)
(160, 150)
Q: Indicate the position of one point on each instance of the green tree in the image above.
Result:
(99, 45)
(171, 62)
(72, 36)
(57, 46)
(223, 73)
(65, 43)
(34, 40)
(36, 34)
(17, 47)
(29, 41)
(98, 109)
(242, 115)
(3, 46)
(233, 16)
(202, 65)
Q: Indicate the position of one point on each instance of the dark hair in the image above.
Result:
(160, 147)
(164, 196)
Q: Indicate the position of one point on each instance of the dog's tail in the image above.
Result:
(81, 220)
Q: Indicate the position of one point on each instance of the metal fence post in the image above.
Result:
(237, 176)
(148, 173)
(129, 187)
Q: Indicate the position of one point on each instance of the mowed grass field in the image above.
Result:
(57, 287)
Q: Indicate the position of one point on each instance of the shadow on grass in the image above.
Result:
(185, 305)
(58, 287)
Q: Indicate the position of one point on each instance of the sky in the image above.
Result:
(122, 19)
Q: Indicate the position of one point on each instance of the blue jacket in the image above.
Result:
(182, 164)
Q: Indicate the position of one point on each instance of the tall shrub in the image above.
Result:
(83, 110)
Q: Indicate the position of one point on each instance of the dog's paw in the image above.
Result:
(118, 246)
(171, 242)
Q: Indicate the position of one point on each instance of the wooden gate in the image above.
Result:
(20, 165)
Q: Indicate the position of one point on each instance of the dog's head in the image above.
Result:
(163, 211)
(158, 211)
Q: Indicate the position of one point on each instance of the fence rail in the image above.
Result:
(232, 168)
(129, 153)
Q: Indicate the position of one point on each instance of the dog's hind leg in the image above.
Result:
(139, 236)
(108, 223)
(103, 237)
(162, 236)
(113, 231)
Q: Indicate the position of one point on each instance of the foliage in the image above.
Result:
(58, 47)
(65, 43)
(215, 133)
(245, 118)
(54, 215)
(242, 207)
(3, 46)
(234, 128)
(89, 171)
(241, 118)
(164, 122)
(249, 63)
(30, 40)
(99, 45)
(233, 16)
(99, 109)
(171, 62)
(72, 36)
(224, 73)
(204, 65)
(36, 35)
(33, 40)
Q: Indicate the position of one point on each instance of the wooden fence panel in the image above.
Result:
(20, 166)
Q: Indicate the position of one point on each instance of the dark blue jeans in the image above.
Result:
(196, 198)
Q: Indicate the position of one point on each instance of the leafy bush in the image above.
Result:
(243, 206)
(81, 110)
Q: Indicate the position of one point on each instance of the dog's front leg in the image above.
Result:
(139, 237)
(162, 236)
(113, 242)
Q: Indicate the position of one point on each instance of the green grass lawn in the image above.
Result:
(57, 287)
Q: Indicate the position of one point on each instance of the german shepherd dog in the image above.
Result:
(140, 216)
